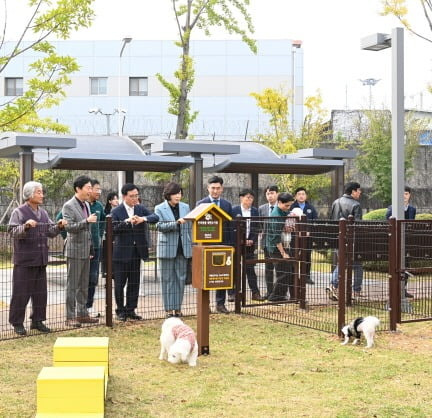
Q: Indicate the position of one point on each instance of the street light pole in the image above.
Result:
(120, 113)
(121, 175)
(377, 42)
(398, 114)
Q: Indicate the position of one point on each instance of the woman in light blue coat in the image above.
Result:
(174, 247)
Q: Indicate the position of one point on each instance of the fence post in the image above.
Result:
(350, 254)
(109, 273)
(302, 249)
(240, 295)
(342, 256)
(394, 305)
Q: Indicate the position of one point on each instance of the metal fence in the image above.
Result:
(385, 253)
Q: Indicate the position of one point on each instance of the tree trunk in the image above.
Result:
(181, 129)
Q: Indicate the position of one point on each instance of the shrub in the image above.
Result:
(375, 215)
(424, 216)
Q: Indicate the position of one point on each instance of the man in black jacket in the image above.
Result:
(343, 207)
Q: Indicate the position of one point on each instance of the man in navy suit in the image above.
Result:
(410, 213)
(246, 210)
(130, 247)
(301, 202)
(215, 189)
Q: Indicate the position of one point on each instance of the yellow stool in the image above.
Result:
(67, 391)
(82, 351)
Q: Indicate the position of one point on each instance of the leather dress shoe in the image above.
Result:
(134, 316)
(309, 281)
(178, 314)
(40, 326)
(408, 295)
(87, 320)
(231, 298)
(121, 316)
(20, 330)
(256, 296)
(72, 323)
(222, 309)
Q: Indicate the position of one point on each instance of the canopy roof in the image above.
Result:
(251, 157)
(107, 153)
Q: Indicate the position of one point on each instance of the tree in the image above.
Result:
(51, 74)
(50, 71)
(283, 139)
(399, 9)
(374, 158)
(204, 15)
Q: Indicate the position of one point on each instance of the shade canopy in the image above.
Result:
(107, 153)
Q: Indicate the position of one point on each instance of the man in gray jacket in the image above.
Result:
(76, 212)
(344, 207)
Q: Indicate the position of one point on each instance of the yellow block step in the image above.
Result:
(63, 391)
(93, 351)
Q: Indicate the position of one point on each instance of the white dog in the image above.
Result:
(178, 342)
(361, 325)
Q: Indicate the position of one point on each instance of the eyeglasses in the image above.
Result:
(134, 196)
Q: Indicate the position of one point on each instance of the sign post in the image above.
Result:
(212, 265)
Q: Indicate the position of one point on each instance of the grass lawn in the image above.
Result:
(257, 368)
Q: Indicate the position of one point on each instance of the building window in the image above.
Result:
(138, 86)
(14, 86)
(98, 85)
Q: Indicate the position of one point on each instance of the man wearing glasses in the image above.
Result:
(130, 247)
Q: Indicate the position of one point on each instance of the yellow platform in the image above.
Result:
(71, 391)
(80, 351)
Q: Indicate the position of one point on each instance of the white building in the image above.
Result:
(226, 72)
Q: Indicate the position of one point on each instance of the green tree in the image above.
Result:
(374, 158)
(399, 9)
(283, 139)
(203, 15)
(50, 71)
(50, 74)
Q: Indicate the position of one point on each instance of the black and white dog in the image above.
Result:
(366, 325)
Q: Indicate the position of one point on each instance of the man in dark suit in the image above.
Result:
(410, 213)
(301, 202)
(271, 194)
(130, 247)
(215, 189)
(246, 210)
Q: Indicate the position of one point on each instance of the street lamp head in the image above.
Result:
(127, 40)
(376, 42)
(94, 110)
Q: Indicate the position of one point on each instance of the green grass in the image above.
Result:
(256, 368)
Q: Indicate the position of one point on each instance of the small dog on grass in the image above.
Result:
(178, 342)
(359, 326)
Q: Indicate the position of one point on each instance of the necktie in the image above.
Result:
(84, 209)
(216, 201)
(271, 209)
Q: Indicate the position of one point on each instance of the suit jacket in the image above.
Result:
(228, 235)
(263, 210)
(410, 212)
(169, 231)
(78, 243)
(128, 236)
(308, 210)
(254, 226)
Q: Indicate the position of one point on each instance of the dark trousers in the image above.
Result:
(93, 276)
(250, 271)
(284, 277)
(269, 267)
(28, 283)
(127, 274)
